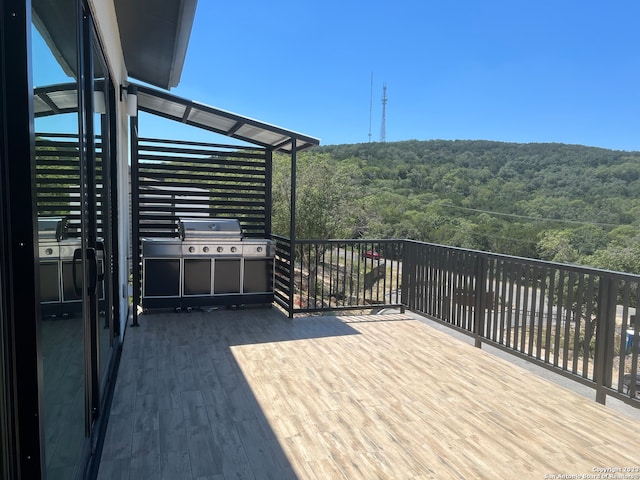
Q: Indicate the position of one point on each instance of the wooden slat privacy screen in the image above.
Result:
(58, 177)
(179, 179)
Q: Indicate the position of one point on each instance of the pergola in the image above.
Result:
(243, 166)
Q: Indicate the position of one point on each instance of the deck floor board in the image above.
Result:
(253, 394)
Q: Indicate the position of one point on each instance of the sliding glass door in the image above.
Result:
(57, 239)
(72, 95)
(61, 175)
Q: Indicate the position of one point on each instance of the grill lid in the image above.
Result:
(53, 228)
(209, 228)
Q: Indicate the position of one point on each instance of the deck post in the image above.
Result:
(292, 227)
(605, 329)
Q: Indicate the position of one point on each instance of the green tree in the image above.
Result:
(557, 246)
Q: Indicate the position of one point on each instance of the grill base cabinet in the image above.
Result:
(258, 276)
(49, 282)
(162, 277)
(226, 276)
(190, 283)
(210, 265)
(58, 295)
(196, 277)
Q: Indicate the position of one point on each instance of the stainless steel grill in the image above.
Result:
(220, 236)
(58, 294)
(210, 228)
(209, 263)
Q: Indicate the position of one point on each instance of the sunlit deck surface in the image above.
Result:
(252, 394)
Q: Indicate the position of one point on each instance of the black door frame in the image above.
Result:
(20, 302)
(108, 243)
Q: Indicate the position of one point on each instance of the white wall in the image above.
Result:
(107, 28)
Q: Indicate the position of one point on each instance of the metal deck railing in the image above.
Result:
(576, 321)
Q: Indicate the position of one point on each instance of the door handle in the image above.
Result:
(100, 248)
(92, 265)
(77, 256)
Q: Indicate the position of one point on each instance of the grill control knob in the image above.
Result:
(192, 249)
(234, 249)
(49, 251)
(259, 249)
(205, 249)
(219, 249)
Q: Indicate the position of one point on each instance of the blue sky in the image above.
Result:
(517, 71)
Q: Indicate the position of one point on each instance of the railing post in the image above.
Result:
(480, 306)
(401, 300)
(605, 329)
(406, 277)
(400, 257)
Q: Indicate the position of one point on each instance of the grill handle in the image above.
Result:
(62, 230)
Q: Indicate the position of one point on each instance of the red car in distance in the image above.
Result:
(371, 254)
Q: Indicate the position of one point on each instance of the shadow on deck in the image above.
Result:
(253, 394)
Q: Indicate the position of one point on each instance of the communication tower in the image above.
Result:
(383, 129)
(370, 106)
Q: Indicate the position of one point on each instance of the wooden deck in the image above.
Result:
(252, 394)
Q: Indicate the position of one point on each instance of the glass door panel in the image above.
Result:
(62, 235)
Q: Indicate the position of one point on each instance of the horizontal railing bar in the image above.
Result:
(530, 261)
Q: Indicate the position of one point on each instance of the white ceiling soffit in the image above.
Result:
(220, 121)
(155, 35)
(56, 23)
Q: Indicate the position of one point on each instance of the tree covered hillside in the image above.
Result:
(565, 203)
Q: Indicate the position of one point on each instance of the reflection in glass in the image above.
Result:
(101, 136)
(60, 228)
